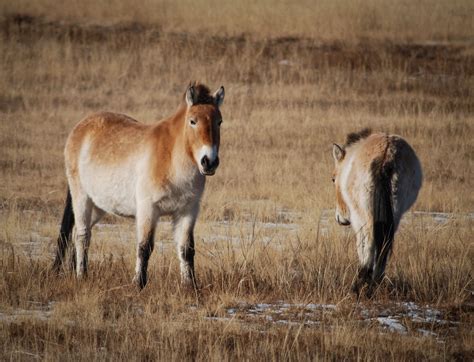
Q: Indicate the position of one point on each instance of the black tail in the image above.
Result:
(65, 233)
(384, 226)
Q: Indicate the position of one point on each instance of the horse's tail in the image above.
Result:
(65, 233)
(383, 221)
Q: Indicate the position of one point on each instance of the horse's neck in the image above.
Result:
(182, 163)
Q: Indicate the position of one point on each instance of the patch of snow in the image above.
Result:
(286, 62)
(392, 324)
(20, 314)
(427, 333)
(319, 306)
(423, 315)
(219, 319)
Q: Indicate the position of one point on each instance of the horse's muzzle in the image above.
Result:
(209, 168)
(342, 221)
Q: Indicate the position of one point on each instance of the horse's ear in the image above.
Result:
(338, 152)
(219, 96)
(190, 92)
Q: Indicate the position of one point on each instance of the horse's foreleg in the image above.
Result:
(184, 237)
(145, 237)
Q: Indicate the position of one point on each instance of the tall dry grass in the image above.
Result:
(104, 317)
(345, 66)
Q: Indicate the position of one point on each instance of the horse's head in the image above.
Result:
(342, 211)
(202, 126)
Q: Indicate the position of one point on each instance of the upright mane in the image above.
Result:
(355, 137)
(202, 94)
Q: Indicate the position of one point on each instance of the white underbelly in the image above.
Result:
(111, 189)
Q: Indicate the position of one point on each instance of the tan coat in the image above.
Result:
(117, 165)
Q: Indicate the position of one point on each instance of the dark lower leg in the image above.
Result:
(186, 254)
(187, 264)
(63, 241)
(72, 259)
(364, 276)
(144, 253)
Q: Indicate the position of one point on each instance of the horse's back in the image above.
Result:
(102, 130)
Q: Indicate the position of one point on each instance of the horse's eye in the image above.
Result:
(193, 122)
(333, 179)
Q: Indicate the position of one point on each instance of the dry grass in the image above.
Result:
(292, 90)
(105, 317)
(340, 20)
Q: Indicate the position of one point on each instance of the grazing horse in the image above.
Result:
(377, 178)
(117, 165)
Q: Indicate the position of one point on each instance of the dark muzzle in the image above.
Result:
(209, 168)
(342, 221)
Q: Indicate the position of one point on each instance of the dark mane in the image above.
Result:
(202, 94)
(355, 137)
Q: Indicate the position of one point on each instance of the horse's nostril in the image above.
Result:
(205, 162)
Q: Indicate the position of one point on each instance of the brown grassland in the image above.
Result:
(298, 77)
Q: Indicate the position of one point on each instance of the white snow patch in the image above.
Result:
(392, 324)
(427, 333)
(21, 314)
(219, 319)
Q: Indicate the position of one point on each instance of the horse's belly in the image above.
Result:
(111, 190)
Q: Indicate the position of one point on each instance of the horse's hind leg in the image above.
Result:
(82, 211)
(97, 214)
(366, 252)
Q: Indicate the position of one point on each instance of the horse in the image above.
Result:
(116, 165)
(377, 178)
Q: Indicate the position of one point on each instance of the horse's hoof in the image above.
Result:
(56, 268)
(139, 282)
(81, 276)
(190, 286)
(369, 292)
(355, 288)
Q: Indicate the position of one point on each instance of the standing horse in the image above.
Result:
(116, 165)
(377, 178)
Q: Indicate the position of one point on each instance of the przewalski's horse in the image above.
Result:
(377, 178)
(116, 165)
